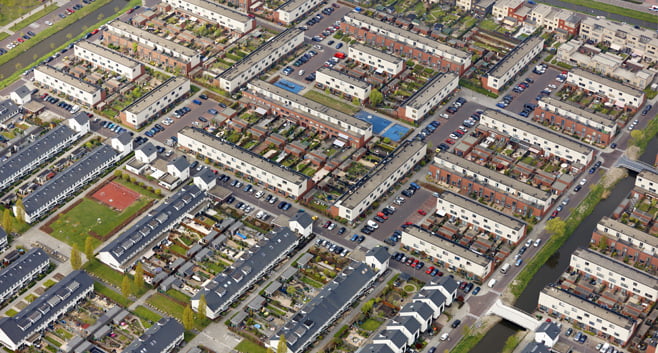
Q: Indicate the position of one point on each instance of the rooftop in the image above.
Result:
(484, 211)
(108, 53)
(344, 77)
(605, 82)
(376, 53)
(615, 266)
(219, 9)
(152, 38)
(513, 57)
(447, 245)
(616, 228)
(8, 110)
(431, 89)
(21, 268)
(157, 338)
(649, 175)
(153, 96)
(66, 78)
(599, 119)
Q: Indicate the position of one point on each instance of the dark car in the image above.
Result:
(476, 290)
(342, 230)
(592, 170)
(577, 188)
(281, 204)
(455, 323)
(569, 332)
(202, 119)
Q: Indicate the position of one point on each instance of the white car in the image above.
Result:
(445, 116)
(49, 23)
(537, 242)
(373, 224)
(259, 194)
(583, 182)
(444, 336)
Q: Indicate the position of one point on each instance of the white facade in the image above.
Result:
(430, 95)
(464, 5)
(108, 59)
(513, 62)
(223, 16)
(290, 11)
(151, 104)
(344, 83)
(550, 142)
(501, 8)
(38, 262)
(647, 180)
(380, 60)
(72, 86)
(613, 229)
(260, 59)
(578, 115)
(641, 41)
(621, 95)
(480, 216)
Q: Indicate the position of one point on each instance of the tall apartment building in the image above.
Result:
(151, 47)
(428, 97)
(615, 92)
(78, 90)
(108, 59)
(344, 83)
(573, 120)
(402, 42)
(620, 36)
(510, 65)
(225, 17)
(150, 105)
(259, 60)
(21, 272)
(381, 61)
(291, 10)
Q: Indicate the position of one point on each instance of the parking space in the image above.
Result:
(540, 83)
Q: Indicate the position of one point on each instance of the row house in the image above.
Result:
(78, 90)
(381, 61)
(108, 59)
(344, 83)
(619, 94)
(647, 181)
(225, 17)
(163, 337)
(512, 63)
(428, 97)
(621, 36)
(21, 272)
(626, 241)
(149, 106)
(555, 19)
(292, 10)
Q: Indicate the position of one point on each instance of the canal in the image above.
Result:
(61, 37)
(495, 339)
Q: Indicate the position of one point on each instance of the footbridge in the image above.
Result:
(514, 315)
(636, 166)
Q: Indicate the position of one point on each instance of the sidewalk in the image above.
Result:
(6, 28)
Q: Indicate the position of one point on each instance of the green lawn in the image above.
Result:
(371, 325)
(166, 305)
(247, 346)
(13, 9)
(11, 312)
(111, 294)
(3, 35)
(312, 282)
(104, 272)
(331, 102)
(178, 295)
(147, 316)
(33, 18)
(137, 188)
(644, 16)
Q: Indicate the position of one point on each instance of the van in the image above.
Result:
(505, 268)
(492, 283)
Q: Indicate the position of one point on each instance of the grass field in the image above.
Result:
(147, 316)
(166, 305)
(3, 35)
(13, 9)
(331, 102)
(644, 16)
(111, 294)
(178, 295)
(247, 346)
(33, 18)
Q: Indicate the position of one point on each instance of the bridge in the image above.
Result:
(636, 166)
(514, 315)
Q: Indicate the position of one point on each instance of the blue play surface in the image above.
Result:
(378, 123)
(396, 132)
(289, 86)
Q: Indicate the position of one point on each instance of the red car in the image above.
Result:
(326, 225)
(408, 223)
(429, 270)
(450, 141)
(20, 40)
(565, 72)
(413, 264)
(422, 213)
(251, 15)
(94, 31)
(70, 11)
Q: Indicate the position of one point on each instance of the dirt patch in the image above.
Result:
(612, 176)
(633, 152)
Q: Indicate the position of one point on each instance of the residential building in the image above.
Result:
(573, 120)
(548, 333)
(16, 331)
(163, 337)
(301, 223)
(225, 17)
(626, 240)
(386, 174)
(20, 96)
(427, 51)
(310, 114)
(451, 255)
(260, 59)
(108, 59)
(344, 83)
(428, 97)
(292, 10)
(615, 274)
(506, 8)
(151, 47)
(4, 239)
(594, 318)
(551, 143)
(447, 286)
(273, 176)
(465, 5)
(125, 250)
(381, 61)
(512, 63)
(481, 217)
(333, 300)
(64, 184)
(228, 286)
(154, 102)
(21, 272)
(619, 94)
(378, 258)
(78, 90)
(648, 181)
(8, 110)
(555, 19)
(621, 36)
(471, 178)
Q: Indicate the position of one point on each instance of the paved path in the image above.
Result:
(6, 28)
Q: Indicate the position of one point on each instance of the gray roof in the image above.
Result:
(147, 148)
(321, 310)
(81, 118)
(480, 209)
(407, 321)
(146, 101)
(156, 222)
(151, 38)
(108, 53)
(377, 348)
(589, 307)
(375, 52)
(22, 91)
(612, 265)
(41, 146)
(273, 287)
(550, 329)
(63, 181)
(124, 138)
(157, 338)
(203, 253)
(514, 56)
(448, 283)
(238, 318)
(303, 218)
(395, 336)
(180, 163)
(380, 253)
(423, 309)
(47, 307)
(288, 273)
(3, 237)
(214, 7)
(616, 228)
(206, 175)
(8, 110)
(256, 303)
(21, 268)
(534, 347)
(435, 296)
(577, 72)
(431, 89)
(102, 331)
(340, 76)
(68, 79)
(304, 259)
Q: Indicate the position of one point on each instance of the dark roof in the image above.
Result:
(148, 149)
(550, 329)
(395, 336)
(423, 309)
(159, 220)
(47, 307)
(380, 253)
(407, 321)
(434, 295)
(63, 181)
(124, 138)
(448, 283)
(21, 268)
(22, 91)
(8, 110)
(206, 175)
(3, 235)
(157, 338)
(303, 218)
(377, 348)
(81, 118)
(535, 347)
(180, 163)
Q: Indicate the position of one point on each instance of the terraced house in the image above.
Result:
(223, 16)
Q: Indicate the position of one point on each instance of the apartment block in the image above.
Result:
(451, 255)
(510, 65)
(616, 274)
(274, 177)
(310, 114)
(225, 17)
(261, 59)
(617, 93)
(620, 36)
(16, 332)
(381, 61)
(125, 250)
(555, 19)
(594, 318)
(428, 97)
(21, 272)
(551, 143)
(291, 10)
(481, 217)
(344, 83)
(108, 59)
(150, 105)
(506, 8)
(471, 178)
(573, 120)
(402, 42)
(230, 285)
(79, 90)
(357, 200)
(163, 337)
(632, 242)
(648, 181)
(151, 47)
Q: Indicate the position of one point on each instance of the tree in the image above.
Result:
(376, 97)
(89, 247)
(188, 317)
(283, 345)
(201, 309)
(125, 286)
(139, 277)
(20, 211)
(367, 306)
(556, 226)
(76, 260)
(7, 220)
